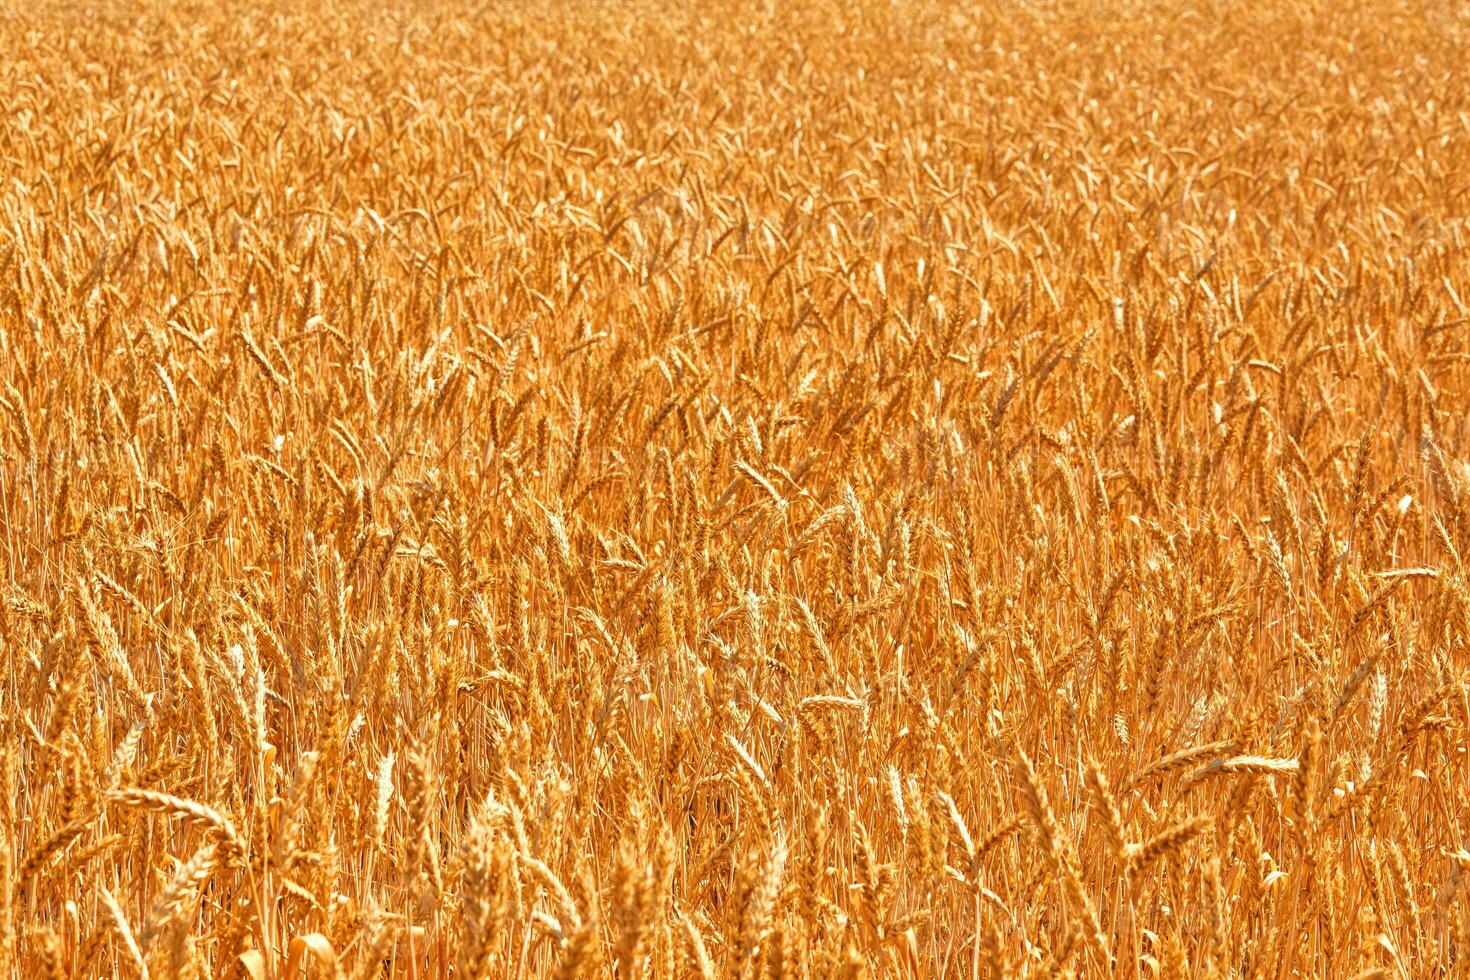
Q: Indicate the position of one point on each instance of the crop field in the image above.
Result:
(652, 489)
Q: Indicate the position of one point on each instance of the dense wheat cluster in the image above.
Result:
(830, 489)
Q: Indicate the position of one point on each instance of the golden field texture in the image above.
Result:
(656, 489)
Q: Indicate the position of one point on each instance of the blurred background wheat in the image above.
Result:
(651, 489)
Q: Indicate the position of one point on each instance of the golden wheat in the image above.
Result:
(830, 489)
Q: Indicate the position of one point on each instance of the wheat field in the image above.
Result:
(840, 488)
